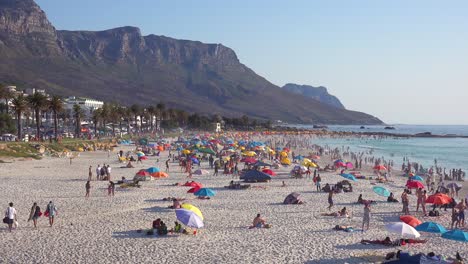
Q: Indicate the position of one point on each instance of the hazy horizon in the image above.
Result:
(404, 62)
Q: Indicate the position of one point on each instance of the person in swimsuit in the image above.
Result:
(330, 199)
(366, 216)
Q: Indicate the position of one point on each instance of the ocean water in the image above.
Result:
(449, 152)
(460, 130)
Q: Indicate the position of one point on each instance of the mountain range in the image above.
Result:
(124, 66)
(318, 93)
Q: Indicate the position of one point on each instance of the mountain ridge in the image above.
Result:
(122, 65)
(319, 93)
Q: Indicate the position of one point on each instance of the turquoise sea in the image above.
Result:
(449, 152)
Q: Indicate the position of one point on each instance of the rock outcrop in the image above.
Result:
(318, 93)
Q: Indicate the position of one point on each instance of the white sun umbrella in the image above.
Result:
(403, 229)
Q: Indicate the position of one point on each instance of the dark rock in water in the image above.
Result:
(423, 134)
(321, 126)
(389, 128)
(362, 127)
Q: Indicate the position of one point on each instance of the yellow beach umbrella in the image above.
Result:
(283, 154)
(185, 151)
(193, 208)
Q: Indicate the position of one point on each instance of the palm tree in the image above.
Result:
(37, 102)
(78, 113)
(136, 111)
(56, 105)
(96, 117)
(5, 94)
(20, 104)
(160, 107)
(105, 115)
(151, 111)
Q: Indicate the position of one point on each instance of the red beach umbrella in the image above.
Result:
(414, 185)
(194, 189)
(380, 167)
(410, 220)
(143, 173)
(269, 172)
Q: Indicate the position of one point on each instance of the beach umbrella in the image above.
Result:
(153, 170)
(402, 229)
(189, 218)
(143, 173)
(457, 235)
(431, 227)
(194, 189)
(300, 157)
(380, 167)
(201, 172)
(205, 192)
(185, 151)
(417, 178)
(292, 198)
(195, 160)
(338, 161)
(314, 157)
(269, 172)
(159, 174)
(454, 185)
(207, 151)
(140, 154)
(249, 153)
(349, 165)
(348, 176)
(249, 160)
(382, 191)
(410, 220)
(340, 164)
(193, 184)
(262, 164)
(143, 157)
(193, 208)
(438, 199)
(414, 185)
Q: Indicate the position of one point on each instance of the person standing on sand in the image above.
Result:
(90, 173)
(98, 172)
(419, 193)
(167, 165)
(88, 188)
(367, 215)
(108, 171)
(330, 199)
(405, 202)
(423, 202)
(318, 180)
(51, 211)
(10, 216)
(35, 214)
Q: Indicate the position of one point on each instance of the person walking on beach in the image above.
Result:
(167, 165)
(318, 180)
(405, 202)
(35, 214)
(88, 188)
(108, 172)
(10, 216)
(216, 168)
(90, 173)
(366, 217)
(51, 211)
(111, 188)
(330, 199)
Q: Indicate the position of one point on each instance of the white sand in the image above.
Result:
(103, 229)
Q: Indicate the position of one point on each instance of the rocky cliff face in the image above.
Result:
(123, 66)
(318, 93)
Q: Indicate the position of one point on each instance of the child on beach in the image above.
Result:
(88, 188)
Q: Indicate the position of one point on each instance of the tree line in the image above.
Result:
(136, 118)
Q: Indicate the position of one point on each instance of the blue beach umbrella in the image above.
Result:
(382, 191)
(417, 178)
(153, 170)
(300, 157)
(207, 192)
(189, 218)
(431, 227)
(349, 176)
(457, 235)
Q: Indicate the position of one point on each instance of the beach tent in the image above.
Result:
(205, 192)
(402, 229)
(201, 172)
(431, 227)
(292, 198)
(348, 176)
(193, 208)
(438, 199)
(153, 170)
(255, 176)
(457, 235)
(382, 191)
(410, 220)
(189, 218)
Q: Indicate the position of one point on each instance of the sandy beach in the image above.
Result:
(102, 229)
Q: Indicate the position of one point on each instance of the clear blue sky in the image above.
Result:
(403, 61)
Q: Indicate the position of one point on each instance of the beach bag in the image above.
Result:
(5, 220)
